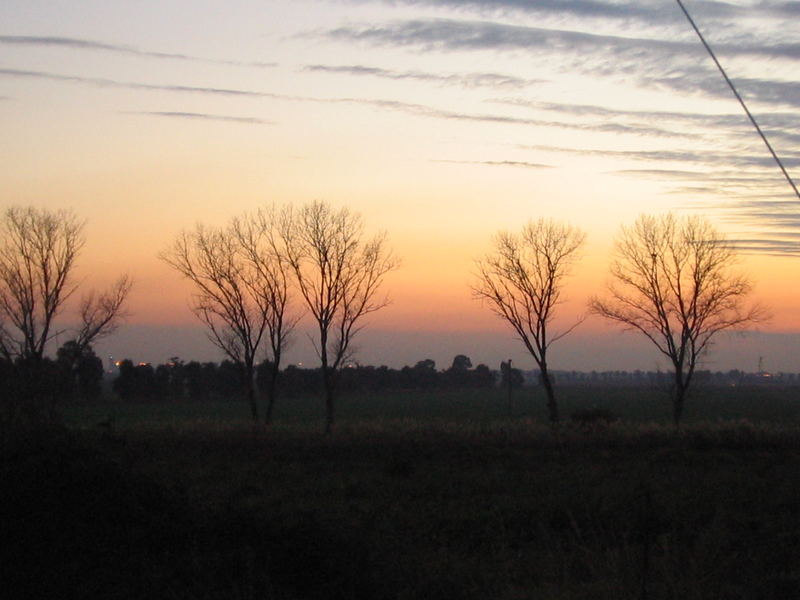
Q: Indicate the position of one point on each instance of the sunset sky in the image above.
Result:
(440, 121)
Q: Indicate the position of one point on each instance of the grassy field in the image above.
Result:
(470, 408)
(422, 496)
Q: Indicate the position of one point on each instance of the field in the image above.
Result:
(414, 496)
(467, 408)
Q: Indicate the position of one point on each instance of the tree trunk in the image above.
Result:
(678, 398)
(250, 391)
(329, 379)
(552, 406)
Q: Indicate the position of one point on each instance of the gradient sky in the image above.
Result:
(440, 121)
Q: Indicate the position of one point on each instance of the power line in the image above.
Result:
(739, 98)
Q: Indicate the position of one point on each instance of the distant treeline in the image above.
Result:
(33, 388)
(76, 374)
(176, 380)
(659, 378)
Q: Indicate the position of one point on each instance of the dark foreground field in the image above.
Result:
(186, 506)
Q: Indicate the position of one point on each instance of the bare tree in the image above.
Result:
(673, 280)
(240, 290)
(261, 245)
(339, 275)
(38, 253)
(522, 278)
(37, 258)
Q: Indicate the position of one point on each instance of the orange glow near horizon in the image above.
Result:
(431, 291)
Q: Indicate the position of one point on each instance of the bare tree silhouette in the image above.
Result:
(339, 275)
(39, 249)
(522, 279)
(260, 242)
(37, 258)
(241, 290)
(673, 280)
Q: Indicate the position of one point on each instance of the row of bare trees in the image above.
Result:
(244, 274)
(672, 279)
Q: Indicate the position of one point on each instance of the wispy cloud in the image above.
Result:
(782, 128)
(770, 247)
(757, 201)
(497, 163)
(453, 35)
(744, 188)
(643, 12)
(81, 44)
(760, 187)
(428, 111)
(202, 116)
(782, 218)
(465, 80)
(708, 158)
(721, 182)
(699, 81)
(101, 82)
(777, 120)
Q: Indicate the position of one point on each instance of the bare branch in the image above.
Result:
(101, 315)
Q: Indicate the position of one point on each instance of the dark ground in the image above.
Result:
(387, 512)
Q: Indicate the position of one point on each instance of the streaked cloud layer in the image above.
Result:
(454, 35)
(647, 47)
(409, 56)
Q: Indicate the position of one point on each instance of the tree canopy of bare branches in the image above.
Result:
(241, 290)
(522, 279)
(37, 259)
(339, 275)
(674, 281)
(102, 314)
(259, 239)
